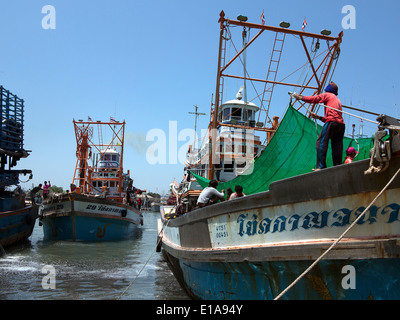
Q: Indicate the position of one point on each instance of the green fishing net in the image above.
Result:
(290, 152)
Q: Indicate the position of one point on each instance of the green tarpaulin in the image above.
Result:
(290, 152)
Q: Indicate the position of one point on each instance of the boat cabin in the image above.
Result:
(238, 144)
(106, 174)
(238, 112)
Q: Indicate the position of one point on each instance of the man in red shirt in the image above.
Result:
(333, 128)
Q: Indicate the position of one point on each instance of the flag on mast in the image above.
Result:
(304, 24)
(263, 18)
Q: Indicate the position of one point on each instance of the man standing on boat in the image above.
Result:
(333, 128)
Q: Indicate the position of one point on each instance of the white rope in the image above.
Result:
(320, 104)
(340, 238)
(350, 114)
(137, 276)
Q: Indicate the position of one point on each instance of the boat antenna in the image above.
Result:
(395, 103)
(196, 115)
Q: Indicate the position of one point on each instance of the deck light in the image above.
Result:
(284, 24)
(326, 32)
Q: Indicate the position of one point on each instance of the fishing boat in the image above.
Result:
(100, 204)
(298, 233)
(17, 218)
(237, 143)
(155, 206)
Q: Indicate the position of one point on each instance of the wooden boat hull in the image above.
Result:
(82, 218)
(254, 247)
(17, 225)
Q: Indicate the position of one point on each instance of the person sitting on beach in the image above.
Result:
(210, 195)
(239, 193)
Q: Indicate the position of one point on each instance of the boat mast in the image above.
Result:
(196, 115)
(121, 162)
(83, 133)
(315, 82)
(213, 135)
(84, 175)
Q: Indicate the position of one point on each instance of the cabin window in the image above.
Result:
(226, 113)
(114, 157)
(241, 165)
(236, 114)
(248, 115)
(228, 167)
(112, 184)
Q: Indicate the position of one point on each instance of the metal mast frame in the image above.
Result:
(86, 145)
(321, 79)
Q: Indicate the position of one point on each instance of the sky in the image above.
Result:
(150, 62)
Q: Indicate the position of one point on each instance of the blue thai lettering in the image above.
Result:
(371, 217)
(251, 226)
(294, 221)
(394, 212)
(310, 220)
(324, 220)
(373, 211)
(343, 217)
(240, 220)
(264, 226)
(357, 212)
(279, 224)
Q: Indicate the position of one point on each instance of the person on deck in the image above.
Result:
(139, 203)
(238, 193)
(46, 189)
(34, 191)
(334, 127)
(351, 154)
(210, 195)
(228, 193)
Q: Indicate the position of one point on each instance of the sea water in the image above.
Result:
(65, 270)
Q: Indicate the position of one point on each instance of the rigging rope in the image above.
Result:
(338, 239)
(147, 261)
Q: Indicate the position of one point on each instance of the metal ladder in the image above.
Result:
(272, 71)
(221, 83)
